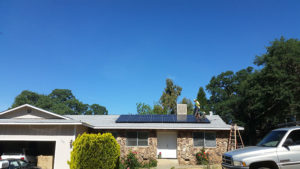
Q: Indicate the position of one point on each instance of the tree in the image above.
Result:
(201, 97)
(158, 109)
(274, 89)
(168, 100)
(143, 109)
(61, 101)
(227, 95)
(26, 97)
(260, 99)
(96, 109)
(189, 103)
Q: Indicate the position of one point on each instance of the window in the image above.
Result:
(295, 137)
(137, 139)
(204, 139)
(14, 165)
(23, 163)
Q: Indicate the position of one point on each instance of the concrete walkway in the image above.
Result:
(173, 164)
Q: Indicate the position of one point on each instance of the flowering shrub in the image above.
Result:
(159, 155)
(131, 161)
(202, 157)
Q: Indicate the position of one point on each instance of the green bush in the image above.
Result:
(95, 151)
(202, 157)
(152, 163)
(131, 161)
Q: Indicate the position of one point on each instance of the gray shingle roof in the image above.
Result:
(108, 122)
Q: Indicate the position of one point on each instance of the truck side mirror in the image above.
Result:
(288, 142)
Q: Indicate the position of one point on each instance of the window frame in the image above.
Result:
(292, 132)
(204, 139)
(137, 139)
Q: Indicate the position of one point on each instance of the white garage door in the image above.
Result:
(167, 144)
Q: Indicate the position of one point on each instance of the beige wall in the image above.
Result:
(62, 135)
(27, 112)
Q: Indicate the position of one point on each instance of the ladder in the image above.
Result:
(234, 141)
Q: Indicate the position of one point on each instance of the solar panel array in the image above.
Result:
(160, 119)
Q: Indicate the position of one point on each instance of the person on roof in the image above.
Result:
(197, 113)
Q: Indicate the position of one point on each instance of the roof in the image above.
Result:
(36, 108)
(109, 122)
(39, 122)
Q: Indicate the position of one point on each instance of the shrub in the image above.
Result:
(131, 161)
(95, 151)
(152, 163)
(202, 157)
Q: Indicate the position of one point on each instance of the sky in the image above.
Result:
(117, 53)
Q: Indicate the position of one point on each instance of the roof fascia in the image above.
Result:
(36, 108)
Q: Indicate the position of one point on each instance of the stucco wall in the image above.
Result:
(27, 113)
(186, 150)
(62, 135)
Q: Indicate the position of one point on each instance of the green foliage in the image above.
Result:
(95, 151)
(158, 109)
(262, 98)
(152, 163)
(201, 97)
(168, 100)
(190, 107)
(143, 109)
(202, 157)
(60, 101)
(131, 161)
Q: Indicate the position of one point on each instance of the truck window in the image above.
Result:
(272, 139)
(295, 136)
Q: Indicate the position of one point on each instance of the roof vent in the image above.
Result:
(181, 112)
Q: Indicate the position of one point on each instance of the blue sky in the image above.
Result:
(118, 53)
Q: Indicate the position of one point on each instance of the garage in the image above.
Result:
(37, 152)
(37, 133)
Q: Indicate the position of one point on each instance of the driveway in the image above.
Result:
(169, 163)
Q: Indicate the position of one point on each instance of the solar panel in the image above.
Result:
(160, 119)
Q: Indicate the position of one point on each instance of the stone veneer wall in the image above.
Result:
(144, 153)
(186, 150)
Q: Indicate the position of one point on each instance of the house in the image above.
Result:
(174, 136)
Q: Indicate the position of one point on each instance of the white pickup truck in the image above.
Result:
(280, 149)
